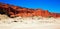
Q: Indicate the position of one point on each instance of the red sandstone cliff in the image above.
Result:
(13, 11)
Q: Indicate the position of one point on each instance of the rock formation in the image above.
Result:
(14, 11)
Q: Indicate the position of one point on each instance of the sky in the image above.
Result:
(50, 5)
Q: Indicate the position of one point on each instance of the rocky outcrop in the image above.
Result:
(14, 11)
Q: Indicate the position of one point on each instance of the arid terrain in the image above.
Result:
(14, 17)
(35, 22)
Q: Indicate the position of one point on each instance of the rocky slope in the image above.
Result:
(14, 11)
(25, 18)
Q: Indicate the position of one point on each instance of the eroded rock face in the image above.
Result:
(13, 11)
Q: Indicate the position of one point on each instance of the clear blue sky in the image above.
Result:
(50, 5)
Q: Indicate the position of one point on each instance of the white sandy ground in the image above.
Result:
(35, 22)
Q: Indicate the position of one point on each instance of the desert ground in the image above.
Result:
(35, 22)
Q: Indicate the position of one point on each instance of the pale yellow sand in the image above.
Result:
(35, 22)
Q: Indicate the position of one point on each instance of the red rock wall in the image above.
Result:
(25, 12)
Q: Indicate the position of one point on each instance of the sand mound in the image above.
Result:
(35, 22)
